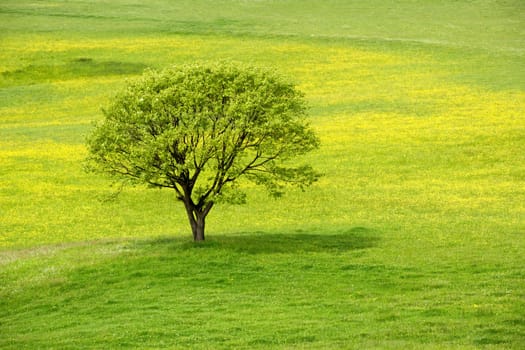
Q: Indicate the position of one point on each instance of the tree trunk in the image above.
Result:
(197, 218)
(196, 212)
(198, 229)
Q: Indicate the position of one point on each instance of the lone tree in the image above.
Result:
(199, 128)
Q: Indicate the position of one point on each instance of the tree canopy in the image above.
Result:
(199, 128)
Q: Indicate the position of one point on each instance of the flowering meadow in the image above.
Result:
(413, 238)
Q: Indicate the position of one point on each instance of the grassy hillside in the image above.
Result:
(414, 238)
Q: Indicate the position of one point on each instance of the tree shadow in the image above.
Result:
(356, 238)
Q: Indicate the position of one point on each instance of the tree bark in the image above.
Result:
(197, 218)
(198, 231)
(196, 212)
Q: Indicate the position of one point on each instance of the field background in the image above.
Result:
(413, 239)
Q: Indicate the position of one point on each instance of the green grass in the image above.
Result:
(413, 239)
(254, 291)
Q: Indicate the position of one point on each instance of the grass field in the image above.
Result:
(413, 239)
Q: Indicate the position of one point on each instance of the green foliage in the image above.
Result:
(199, 128)
(205, 126)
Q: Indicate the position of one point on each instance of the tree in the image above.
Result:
(198, 129)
